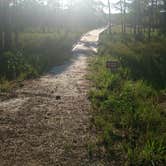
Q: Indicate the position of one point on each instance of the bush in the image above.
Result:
(13, 64)
(38, 52)
(144, 60)
(127, 116)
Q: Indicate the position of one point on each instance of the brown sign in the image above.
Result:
(113, 65)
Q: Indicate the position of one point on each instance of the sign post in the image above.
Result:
(112, 65)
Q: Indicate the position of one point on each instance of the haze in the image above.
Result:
(81, 86)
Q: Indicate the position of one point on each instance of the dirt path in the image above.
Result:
(46, 122)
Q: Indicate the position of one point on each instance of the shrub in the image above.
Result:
(144, 60)
(38, 52)
(127, 117)
(13, 64)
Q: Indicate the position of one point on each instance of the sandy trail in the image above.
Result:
(46, 122)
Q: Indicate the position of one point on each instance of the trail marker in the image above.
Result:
(112, 65)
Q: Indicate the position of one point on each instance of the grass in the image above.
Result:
(37, 53)
(4, 85)
(127, 115)
(143, 60)
(45, 50)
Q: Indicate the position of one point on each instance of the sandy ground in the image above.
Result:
(47, 121)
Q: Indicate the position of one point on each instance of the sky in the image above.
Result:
(104, 1)
(112, 2)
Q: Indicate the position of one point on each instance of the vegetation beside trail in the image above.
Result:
(37, 54)
(127, 112)
(144, 59)
(38, 34)
(129, 104)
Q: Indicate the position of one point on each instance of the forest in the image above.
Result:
(38, 34)
(129, 103)
(27, 26)
(83, 112)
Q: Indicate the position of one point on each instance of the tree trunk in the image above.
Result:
(1, 40)
(135, 29)
(109, 21)
(121, 8)
(1, 25)
(7, 27)
(149, 30)
(16, 39)
(149, 33)
(16, 29)
(151, 20)
(156, 15)
(124, 29)
(7, 40)
(153, 16)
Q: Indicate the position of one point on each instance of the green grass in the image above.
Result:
(44, 50)
(5, 85)
(37, 53)
(143, 60)
(130, 122)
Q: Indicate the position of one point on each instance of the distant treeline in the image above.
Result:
(141, 16)
(44, 16)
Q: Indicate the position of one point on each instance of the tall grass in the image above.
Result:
(144, 60)
(46, 50)
(37, 53)
(130, 123)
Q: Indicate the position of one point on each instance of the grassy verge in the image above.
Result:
(37, 53)
(143, 59)
(130, 123)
